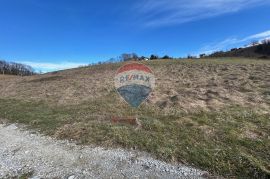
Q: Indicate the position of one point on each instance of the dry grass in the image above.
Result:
(4, 77)
(213, 114)
(186, 85)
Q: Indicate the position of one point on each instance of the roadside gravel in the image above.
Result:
(25, 152)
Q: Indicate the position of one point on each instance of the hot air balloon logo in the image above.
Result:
(134, 82)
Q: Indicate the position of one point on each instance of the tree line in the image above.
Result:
(134, 57)
(256, 49)
(12, 68)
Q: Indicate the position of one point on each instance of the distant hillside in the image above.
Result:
(261, 51)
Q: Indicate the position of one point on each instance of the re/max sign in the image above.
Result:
(135, 77)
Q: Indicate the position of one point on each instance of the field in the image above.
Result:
(212, 114)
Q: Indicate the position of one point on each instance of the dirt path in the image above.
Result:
(23, 152)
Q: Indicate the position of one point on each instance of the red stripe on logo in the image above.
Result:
(134, 66)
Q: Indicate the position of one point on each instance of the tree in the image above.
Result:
(266, 41)
(191, 57)
(129, 56)
(264, 48)
(202, 55)
(254, 43)
(153, 57)
(12, 68)
(166, 57)
(135, 56)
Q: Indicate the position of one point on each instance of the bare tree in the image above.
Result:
(129, 56)
(12, 68)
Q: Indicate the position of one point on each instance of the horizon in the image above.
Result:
(56, 35)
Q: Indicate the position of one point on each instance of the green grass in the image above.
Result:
(25, 175)
(213, 141)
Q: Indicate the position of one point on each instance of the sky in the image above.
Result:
(59, 34)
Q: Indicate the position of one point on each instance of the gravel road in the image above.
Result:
(28, 152)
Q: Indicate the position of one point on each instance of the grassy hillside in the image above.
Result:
(213, 114)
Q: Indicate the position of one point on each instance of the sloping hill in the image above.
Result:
(213, 114)
(187, 85)
(261, 51)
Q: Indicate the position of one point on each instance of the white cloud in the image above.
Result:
(233, 42)
(259, 35)
(168, 12)
(48, 67)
